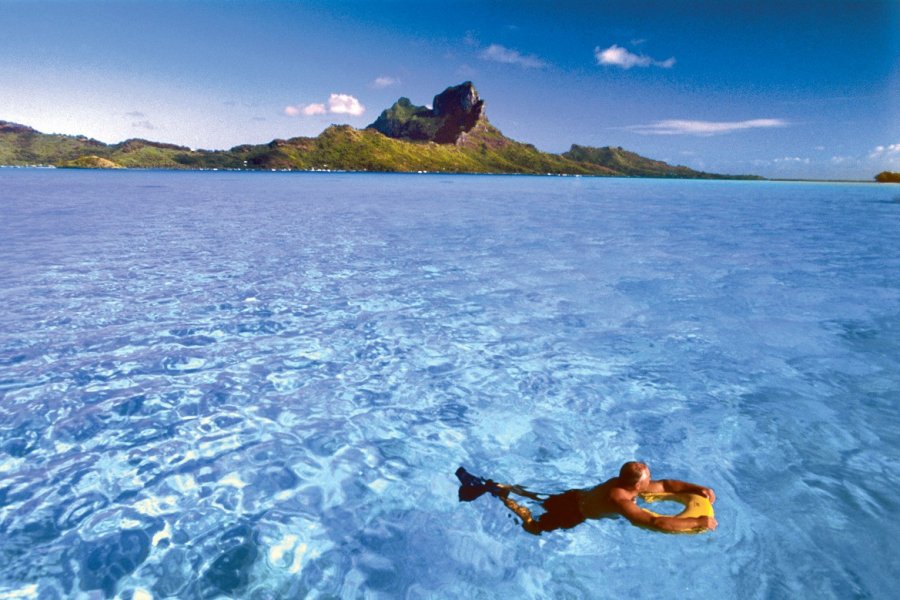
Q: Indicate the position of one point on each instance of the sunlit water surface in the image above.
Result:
(260, 385)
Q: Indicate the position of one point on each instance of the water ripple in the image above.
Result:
(244, 386)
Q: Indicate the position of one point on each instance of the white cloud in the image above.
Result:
(684, 127)
(308, 110)
(885, 151)
(345, 104)
(792, 159)
(385, 81)
(617, 56)
(502, 54)
(338, 104)
(313, 109)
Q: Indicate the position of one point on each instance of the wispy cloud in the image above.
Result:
(889, 151)
(467, 71)
(704, 128)
(140, 120)
(617, 56)
(338, 104)
(792, 160)
(308, 110)
(384, 81)
(502, 54)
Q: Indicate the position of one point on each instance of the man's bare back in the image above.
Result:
(613, 497)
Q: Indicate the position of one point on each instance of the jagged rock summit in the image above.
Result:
(455, 111)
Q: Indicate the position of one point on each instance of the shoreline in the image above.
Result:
(756, 179)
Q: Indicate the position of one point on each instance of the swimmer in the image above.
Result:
(613, 497)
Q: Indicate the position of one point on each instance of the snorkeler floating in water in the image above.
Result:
(615, 496)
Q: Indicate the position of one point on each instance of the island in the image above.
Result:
(454, 135)
(888, 177)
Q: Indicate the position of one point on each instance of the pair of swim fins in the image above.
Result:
(472, 487)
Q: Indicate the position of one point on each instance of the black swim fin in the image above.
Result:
(472, 487)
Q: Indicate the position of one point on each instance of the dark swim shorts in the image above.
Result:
(563, 511)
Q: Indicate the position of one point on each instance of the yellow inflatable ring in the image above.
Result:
(694, 506)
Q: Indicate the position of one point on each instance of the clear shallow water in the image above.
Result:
(259, 385)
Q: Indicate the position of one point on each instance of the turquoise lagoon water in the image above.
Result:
(260, 385)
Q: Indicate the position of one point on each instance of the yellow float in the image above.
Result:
(694, 506)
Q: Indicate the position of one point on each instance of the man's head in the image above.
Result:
(632, 474)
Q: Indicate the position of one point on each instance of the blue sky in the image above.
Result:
(781, 89)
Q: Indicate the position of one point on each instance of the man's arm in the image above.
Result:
(683, 487)
(642, 518)
(681, 524)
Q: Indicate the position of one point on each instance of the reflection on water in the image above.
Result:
(260, 385)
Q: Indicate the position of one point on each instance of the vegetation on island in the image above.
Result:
(90, 162)
(632, 164)
(454, 136)
(888, 177)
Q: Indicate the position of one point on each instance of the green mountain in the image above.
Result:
(888, 177)
(631, 164)
(21, 145)
(453, 136)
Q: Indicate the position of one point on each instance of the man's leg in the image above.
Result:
(528, 522)
(472, 487)
(519, 491)
(502, 491)
(561, 511)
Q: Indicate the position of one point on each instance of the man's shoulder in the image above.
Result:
(657, 485)
(620, 494)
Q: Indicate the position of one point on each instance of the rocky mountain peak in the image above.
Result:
(454, 112)
(459, 100)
